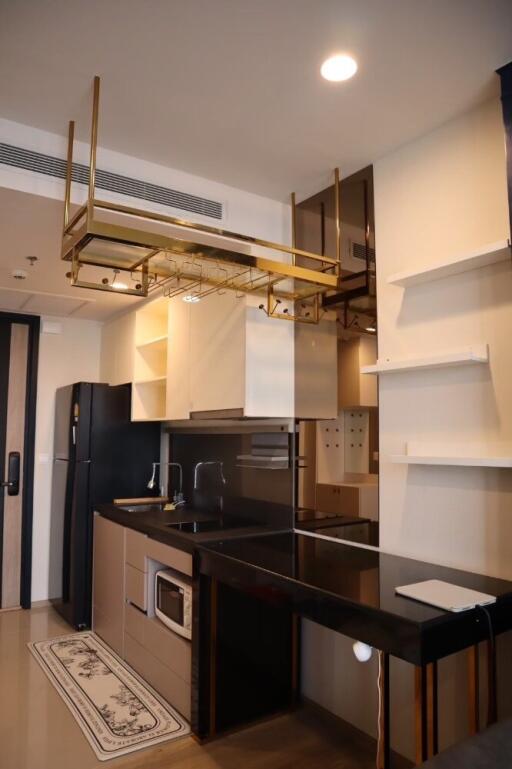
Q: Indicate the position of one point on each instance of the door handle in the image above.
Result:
(12, 484)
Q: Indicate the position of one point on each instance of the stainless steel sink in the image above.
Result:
(142, 508)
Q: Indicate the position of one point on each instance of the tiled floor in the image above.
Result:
(37, 731)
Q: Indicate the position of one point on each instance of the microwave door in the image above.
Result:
(170, 600)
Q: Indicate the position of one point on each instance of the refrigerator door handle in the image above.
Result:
(73, 430)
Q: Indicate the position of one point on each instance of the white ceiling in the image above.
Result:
(31, 225)
(230, 89)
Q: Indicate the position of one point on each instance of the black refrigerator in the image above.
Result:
(99, 455)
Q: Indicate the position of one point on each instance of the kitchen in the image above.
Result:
(239, 451)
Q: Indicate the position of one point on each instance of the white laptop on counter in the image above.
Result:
(444, 595)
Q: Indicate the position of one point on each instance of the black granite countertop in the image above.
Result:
(155, 523)
(352, 589)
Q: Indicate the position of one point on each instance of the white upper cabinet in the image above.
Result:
(220, 357)
(117, 346)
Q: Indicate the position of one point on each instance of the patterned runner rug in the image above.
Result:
(117, 711)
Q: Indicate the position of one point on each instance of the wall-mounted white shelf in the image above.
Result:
(485, 461)
(152, 380)
(472, 355)
(157, 341)
(490, 254)
(455, 454)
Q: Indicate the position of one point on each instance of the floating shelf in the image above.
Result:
(474, 354)
(152, 380)
(415, 459)
(456, 454)
(490, 254)
(157, 341)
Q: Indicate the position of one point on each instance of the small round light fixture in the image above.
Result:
(339, 67)
(191, 298)
(362, 651)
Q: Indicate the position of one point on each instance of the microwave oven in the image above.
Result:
(173, 602)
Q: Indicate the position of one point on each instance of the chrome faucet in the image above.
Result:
(205, 464)
(178, 496)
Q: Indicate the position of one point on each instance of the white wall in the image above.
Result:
(244, 212)
(72, 356)
(435, 197)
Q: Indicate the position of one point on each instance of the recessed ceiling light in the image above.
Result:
(192, 298)
(339, 67)
(119, 285)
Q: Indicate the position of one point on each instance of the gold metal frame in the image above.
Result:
(176, 261)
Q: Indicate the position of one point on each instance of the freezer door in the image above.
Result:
(62, 434)
(122, 452)
(58, 508)
(73, 422)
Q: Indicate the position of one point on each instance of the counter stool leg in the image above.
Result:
(383, 746)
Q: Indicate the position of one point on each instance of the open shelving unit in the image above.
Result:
(158, 342)
(150, 362)
(490, 254)
(471, 355)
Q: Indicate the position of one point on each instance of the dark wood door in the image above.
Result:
(16, 435)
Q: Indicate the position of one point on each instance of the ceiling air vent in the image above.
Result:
(105, 180)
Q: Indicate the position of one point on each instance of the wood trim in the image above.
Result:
(33, 322)
(5, 343)
(213, 657)
(473, 665)
(426, 711)
(492, 700)
(15, 441)
(383, 742)
(505, 74)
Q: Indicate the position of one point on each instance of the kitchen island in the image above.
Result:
(348, 588)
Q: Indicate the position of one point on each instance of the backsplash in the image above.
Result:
(248, 474)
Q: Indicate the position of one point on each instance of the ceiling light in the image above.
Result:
(339, 67)
(371, 329)
(192, 298)
(119, 285)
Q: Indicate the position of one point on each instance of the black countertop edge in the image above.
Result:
(180, 540)
(215, 555)
(432, 634)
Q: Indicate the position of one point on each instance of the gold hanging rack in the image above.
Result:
(155, 250)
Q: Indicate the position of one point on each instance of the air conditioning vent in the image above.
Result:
(105, 180)
(359, 252)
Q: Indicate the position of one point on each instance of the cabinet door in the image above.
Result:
(217, 353)
(178, 360)
(338, 499)
(108, 582)
(117, 350)
(316, 370)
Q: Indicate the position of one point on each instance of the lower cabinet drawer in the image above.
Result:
(136, 587)
(108, 628)
(135, 623)
(136, 547)
(158, 675)
(172, 650)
